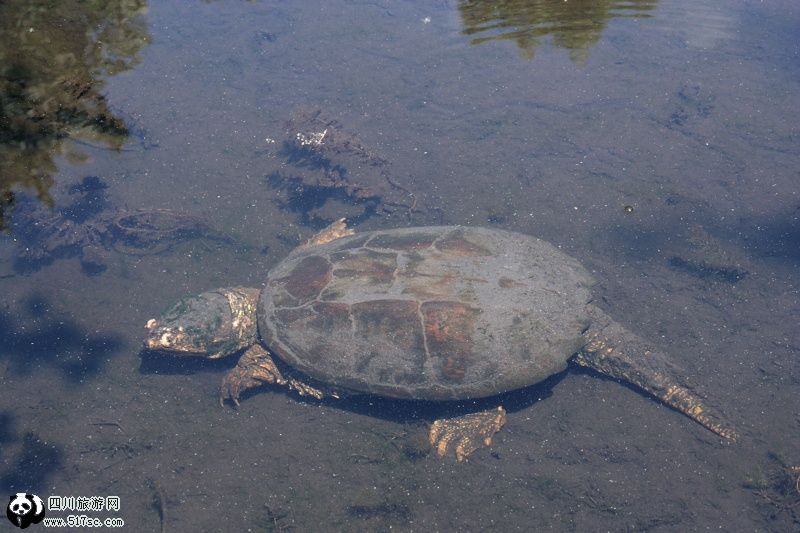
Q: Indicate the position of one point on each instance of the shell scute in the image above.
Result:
(368, 266)
(458, 243)
(449, 329)
(307, 278)
(403, 242)
(392, 322)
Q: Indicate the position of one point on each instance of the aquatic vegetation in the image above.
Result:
(325, 161)
(778, 489)
(90, 229)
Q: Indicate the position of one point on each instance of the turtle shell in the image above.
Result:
(444, 312)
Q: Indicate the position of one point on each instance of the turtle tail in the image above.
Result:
(614, 351)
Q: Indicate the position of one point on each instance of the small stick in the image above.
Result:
(159, 502)
(112, 424)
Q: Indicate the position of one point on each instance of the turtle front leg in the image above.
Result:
(469, 432)
(254, 368)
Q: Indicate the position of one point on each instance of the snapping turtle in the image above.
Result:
(436, 313)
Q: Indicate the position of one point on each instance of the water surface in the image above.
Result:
(149, 151)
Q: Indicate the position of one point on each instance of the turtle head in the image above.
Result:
(212, 324)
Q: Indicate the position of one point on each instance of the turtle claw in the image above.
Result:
(254, 368)
(226, 395)
(468, 432)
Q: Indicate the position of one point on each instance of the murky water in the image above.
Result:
(150, 151)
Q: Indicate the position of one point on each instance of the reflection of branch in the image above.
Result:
(7, 202)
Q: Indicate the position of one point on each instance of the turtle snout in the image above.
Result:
(161, 337)
(152, 341)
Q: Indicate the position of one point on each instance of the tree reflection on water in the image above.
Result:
(575, 25)
(54, 56)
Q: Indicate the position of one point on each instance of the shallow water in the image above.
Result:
(656, 142)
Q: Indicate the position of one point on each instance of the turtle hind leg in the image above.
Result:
(650, 371)
(468, 432)
(335, 231)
